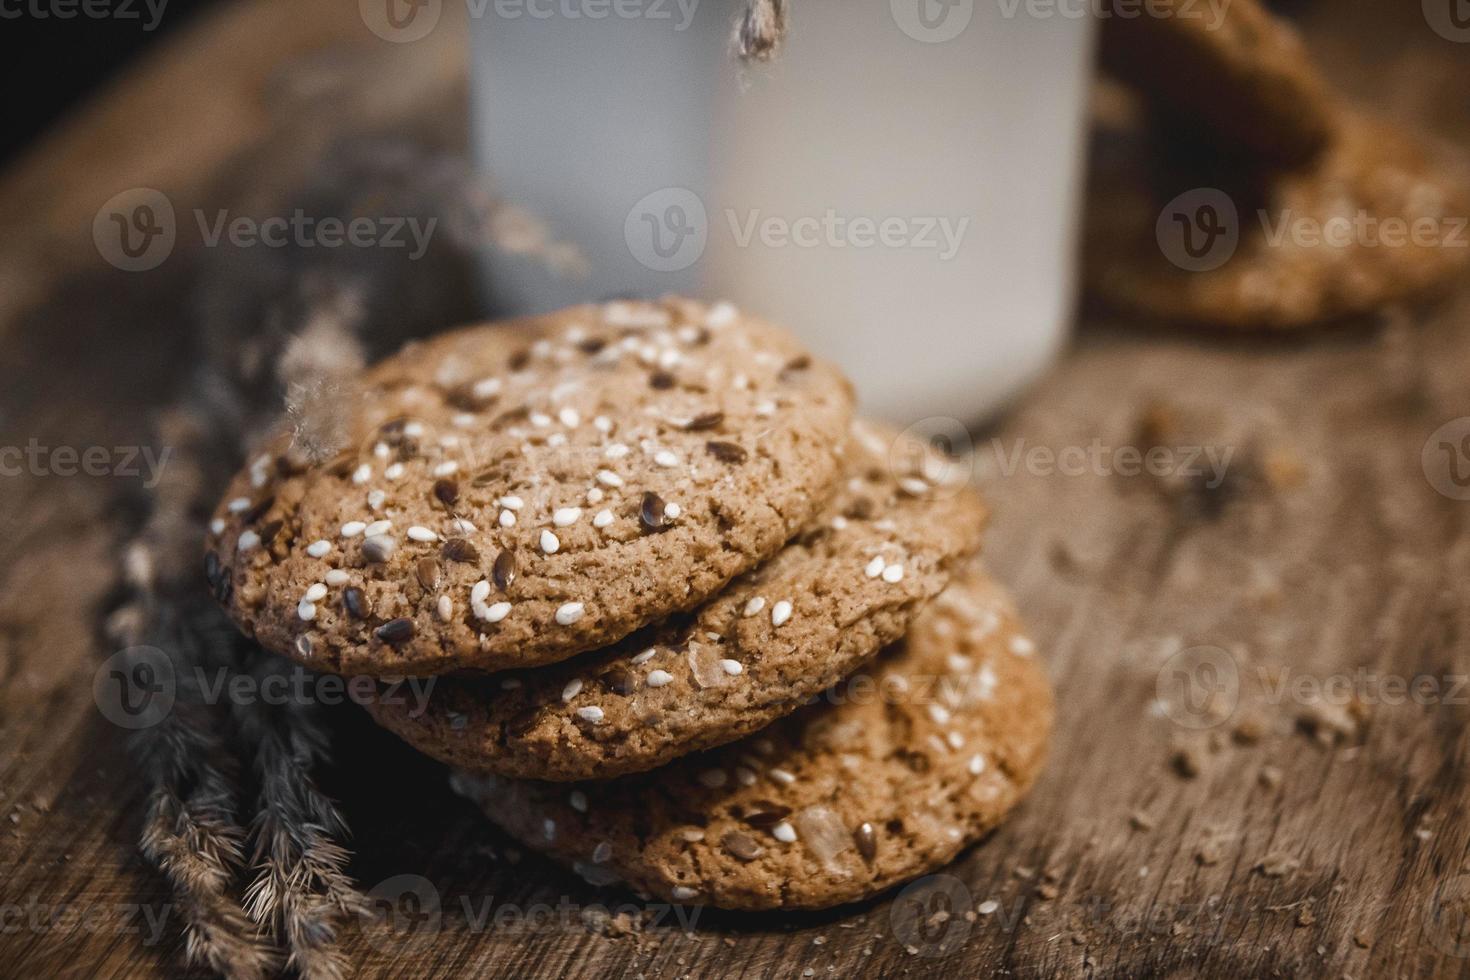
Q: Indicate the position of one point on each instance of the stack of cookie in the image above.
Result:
(690, 625)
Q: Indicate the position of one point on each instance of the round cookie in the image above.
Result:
(1228, 72)
(774, 638)
(1374, 180)
(891, 776)
(514, 494)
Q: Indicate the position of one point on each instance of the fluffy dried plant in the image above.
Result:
(760, 30)
(300, 893)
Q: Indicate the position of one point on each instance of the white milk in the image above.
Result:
(900, 187)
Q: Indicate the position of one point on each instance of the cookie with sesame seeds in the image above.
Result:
(893, 773)
(1227, 72)
(518, 493)
(1378, 218)
(777, 636)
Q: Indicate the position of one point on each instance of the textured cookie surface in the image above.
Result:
(1235, 77)
(773, 638)
(890, 776)
(514, 494)
(1377, 218)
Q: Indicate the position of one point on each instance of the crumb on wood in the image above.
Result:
(1277, 864)
(1250, 729)
(1188, 761)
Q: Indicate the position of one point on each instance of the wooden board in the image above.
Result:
(1327, 560)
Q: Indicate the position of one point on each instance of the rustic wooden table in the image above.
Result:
(1260, 765)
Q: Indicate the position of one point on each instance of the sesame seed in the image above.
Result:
(494, 613)
(569, 613)
(463, 419)
(578, 800)
(893, 573)
(461, 526)
(658, 678)
(665, 458)
(378, 548)
(714, 778)
(744, 776)
(731, 667)
(645, 656)
(550, 544)
(601, 852)
(603, 519)
(590, 713)
(362, 474)
(445, 608)
(721, 314)
(987, 907)
(511, 502)
(780, 613)
(782, 776)
(682, 893)
(375, 499)
(337, 576)
(765, 409)
(913, 486)
(548, 827)
(479, 592)
(540, 419)
(377, 527)
(573, 688)
(603, 424)
(239, 505)
(556, 440)
(248, 540)
(1022, 646)
(418, 533)
(784, 832)
(217, 525)
(955, 739)
(413, 429)
(672, 510)
(609, 479)
(316, 592)
(875, 567)
(616, 451)
(318, 548)
(394, 471)
(446, 468)
(569, 418)
(306, 610)
(352, 529)
(977, 764)
(566, 516)
(486, 388)
(507, 518)
(939, 714)
(594, 496)
(755, 605)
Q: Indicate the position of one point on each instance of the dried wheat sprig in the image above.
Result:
(190, 832)
(301, 893)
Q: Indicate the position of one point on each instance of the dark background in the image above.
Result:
(49, 63)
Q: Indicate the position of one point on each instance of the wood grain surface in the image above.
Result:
(1260, 764)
